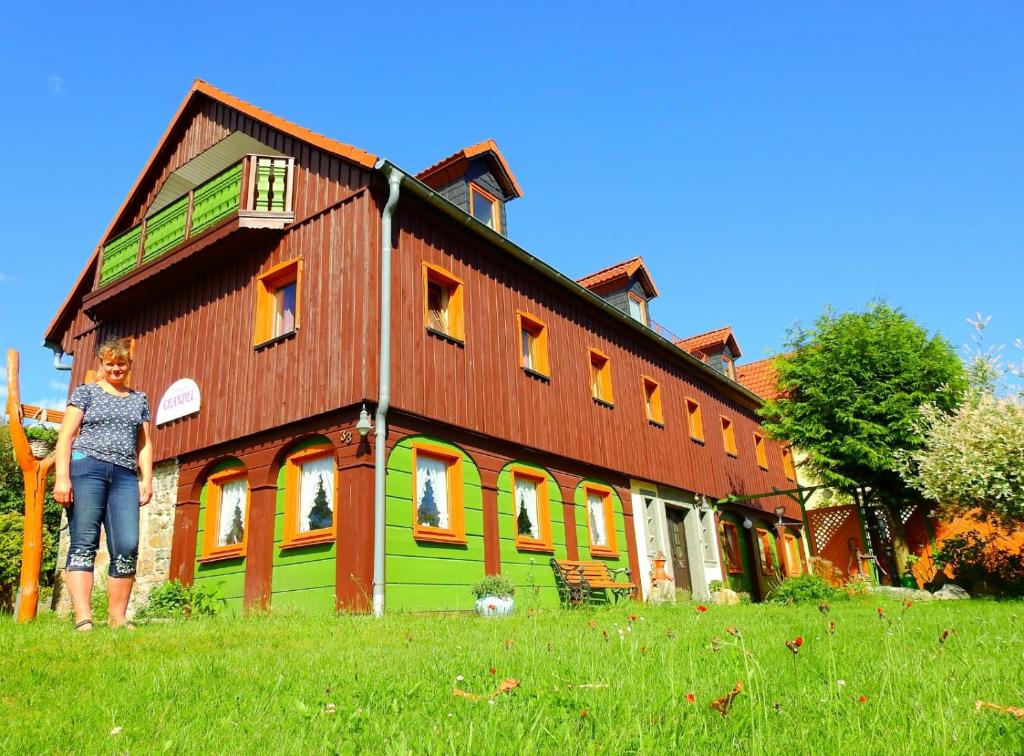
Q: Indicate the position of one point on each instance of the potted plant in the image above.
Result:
(909, 581)
(494, 596)
(41, 440)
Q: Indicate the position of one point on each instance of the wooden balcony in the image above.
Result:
(257, 192)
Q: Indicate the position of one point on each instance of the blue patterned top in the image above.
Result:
(110, 426)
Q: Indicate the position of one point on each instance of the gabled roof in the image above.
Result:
(761, 377)
(454, 167)
(199, 89)
(705, 342)
(604, 280)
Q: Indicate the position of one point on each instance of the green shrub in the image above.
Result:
(804, 588)
(985, 563)
(494, 585)
(173, 599)
(11, 543)
(41, 433)
(716, 585)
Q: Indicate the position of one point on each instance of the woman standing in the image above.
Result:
(104, 439)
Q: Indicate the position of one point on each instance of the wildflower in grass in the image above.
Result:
(670, 633)
(329, 709)
(509, 643)
(824, 608)
(907, 603)
(632, 618)
(116, 731)
(733, 630)
(701, 608)
(777, 705)
(794, 645)
(862, 699)
(841, 683)
(691, 698)
(643, 649)
(723, 704)
(881, 612)
(494, 671)
(716, 643)
(622, 634)
(831, 627)
(799, 640)
(584, 714)
(604, 634)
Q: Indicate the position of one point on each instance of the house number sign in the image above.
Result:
(182, 398)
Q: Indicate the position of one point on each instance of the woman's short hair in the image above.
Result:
(116, 350)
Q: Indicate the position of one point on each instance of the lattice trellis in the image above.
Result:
(906, 512)
(825, 523)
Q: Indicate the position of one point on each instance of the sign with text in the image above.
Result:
(181, 399)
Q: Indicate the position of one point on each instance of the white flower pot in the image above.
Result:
(495, 606)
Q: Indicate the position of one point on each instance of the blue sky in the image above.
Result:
(766, 159)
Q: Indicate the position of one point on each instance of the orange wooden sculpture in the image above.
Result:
(34, 473)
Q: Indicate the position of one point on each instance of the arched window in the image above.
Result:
(310, 495)
(531, 510)
(225, 525)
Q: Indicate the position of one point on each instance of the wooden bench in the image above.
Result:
(586, 582)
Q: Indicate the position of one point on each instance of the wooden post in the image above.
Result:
(34, 474)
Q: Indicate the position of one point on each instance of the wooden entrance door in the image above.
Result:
(677, 539)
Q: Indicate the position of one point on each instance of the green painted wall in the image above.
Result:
(424, 576)
(530, 570)
(227, 574)
(742, 582)
(303, 577)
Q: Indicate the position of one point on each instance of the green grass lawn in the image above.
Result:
(587, 682)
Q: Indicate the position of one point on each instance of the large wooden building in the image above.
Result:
(517, 414)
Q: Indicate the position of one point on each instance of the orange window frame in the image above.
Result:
(600, 376)
(526, 543)
(760, 451)
(764, 542)
(694, 420)
(787, 463)
(211, 524)
(454, 310)
(652, 400)
(538, 343)
(730, 366)
(456, 530)
(292, 536)
(267, 285)
(643, 307)
(731, 543)
(474, 191)
(794, 565)
(729, 437)
(611, 549)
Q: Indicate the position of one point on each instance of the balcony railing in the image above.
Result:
(258, 190)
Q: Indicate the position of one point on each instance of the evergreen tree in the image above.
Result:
(320, 515)
(523, 521)
(428, 514)
(237, 531)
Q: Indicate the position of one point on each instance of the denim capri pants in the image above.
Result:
(107, 494)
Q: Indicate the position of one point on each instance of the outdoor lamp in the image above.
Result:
(779, 511)
(747, 523)
(364, 425)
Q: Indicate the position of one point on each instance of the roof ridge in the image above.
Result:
(613, 265)
(706, 333)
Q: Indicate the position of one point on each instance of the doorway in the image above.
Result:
(680, 552)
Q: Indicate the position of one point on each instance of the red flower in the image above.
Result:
(798, 641)
(632, 618)
(494, 671)
(584, 714)
(862, 699)
(690, 698)
(701, 608)
(881, 611)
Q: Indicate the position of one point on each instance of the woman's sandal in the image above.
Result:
(84, 626)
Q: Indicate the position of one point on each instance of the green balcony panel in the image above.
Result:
(166, 229)
(120, 256)
(265, 199)
(216, 199)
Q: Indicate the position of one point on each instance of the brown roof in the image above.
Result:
(201, 88)
(602, 279)
(703, 342)
(761, 377)
(454, 166)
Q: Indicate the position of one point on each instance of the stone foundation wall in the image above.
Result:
(156, 526)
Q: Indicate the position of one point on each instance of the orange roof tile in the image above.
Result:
(599, 281)
(761, 377)
(703, 342)
(452, 167)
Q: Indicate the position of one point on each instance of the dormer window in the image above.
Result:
(484, 207)
(728, 366)
(637, 308)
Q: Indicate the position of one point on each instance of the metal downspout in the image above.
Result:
(384, 399)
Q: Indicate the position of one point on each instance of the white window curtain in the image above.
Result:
(527, 345)
(527, 517)
(312, 475)
(432, 492)
(598, 527)
(231, 528)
